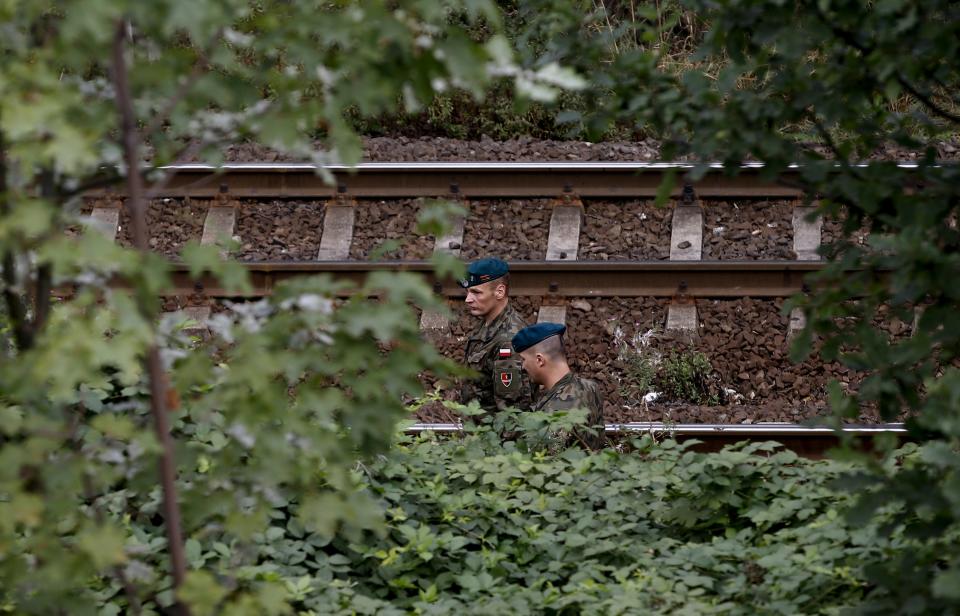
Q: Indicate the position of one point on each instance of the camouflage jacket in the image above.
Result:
(572, 392)
(502, 382)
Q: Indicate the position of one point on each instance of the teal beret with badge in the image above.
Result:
(535, 334)
(483, 271)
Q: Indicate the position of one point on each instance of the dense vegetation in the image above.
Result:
(278, 489)
(474, 526)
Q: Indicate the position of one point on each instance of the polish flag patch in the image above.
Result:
(505, 352)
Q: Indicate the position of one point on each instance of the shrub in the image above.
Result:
(683, 375)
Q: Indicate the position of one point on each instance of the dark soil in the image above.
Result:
(520, 149)
(279, 230)
(625, 230)
(171, 223)
(400, 149)
(744, 340)
(747, 230)
(389, 228)
(509, 229)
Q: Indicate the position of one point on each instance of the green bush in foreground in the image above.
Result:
(479, 526)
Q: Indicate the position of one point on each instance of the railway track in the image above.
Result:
(808, 441)
(465, 179)
(550, 279)
(557, 278)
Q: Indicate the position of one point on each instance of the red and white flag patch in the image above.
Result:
(505, 353)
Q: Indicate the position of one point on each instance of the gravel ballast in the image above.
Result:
(747, 230)
(513, 229)
(624, 230)
(279, 230)
(387, 230)
(171, 223)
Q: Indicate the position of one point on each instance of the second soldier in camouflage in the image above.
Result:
(541, 350)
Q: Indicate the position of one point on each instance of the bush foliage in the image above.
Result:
(479, 526)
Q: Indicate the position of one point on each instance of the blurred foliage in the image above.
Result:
(583, 33)
(273, 415)
(474, 525)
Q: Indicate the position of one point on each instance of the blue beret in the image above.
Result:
(483, 271)
(534, 334)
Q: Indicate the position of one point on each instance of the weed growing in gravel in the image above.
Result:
(639, 360)
(685, 375)
(682, 376)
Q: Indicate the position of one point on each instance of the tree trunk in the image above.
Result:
(135, 199)
(16, 309)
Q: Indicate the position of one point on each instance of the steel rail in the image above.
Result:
(762, 429)
(463, 179)
(546, 278)
(808, 441)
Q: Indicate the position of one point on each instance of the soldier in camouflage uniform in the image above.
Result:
(541, 350)
(501, 382)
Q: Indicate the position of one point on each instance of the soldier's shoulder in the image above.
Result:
(514, 322)
(587, 384)
(509, 328)
(580, 389)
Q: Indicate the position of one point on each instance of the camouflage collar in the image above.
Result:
(487, 331)
(564, 380)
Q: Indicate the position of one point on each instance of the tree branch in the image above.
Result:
(850, 39)
(131, 147)
(17, 310)
(22, 332)
(926, 100)
(43, 287)
(41, 294)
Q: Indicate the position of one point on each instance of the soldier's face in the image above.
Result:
(484, 298)
(532, 363)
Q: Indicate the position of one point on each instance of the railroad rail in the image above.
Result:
(808, 441)
(550, 278)
(464, 179)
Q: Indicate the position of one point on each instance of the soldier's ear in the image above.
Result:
(500, 292)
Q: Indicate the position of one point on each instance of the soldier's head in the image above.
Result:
(488, 288)
(541, 350)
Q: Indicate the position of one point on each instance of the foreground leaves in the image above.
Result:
(480, 526)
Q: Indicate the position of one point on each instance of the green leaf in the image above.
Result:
(201, 592)
(946, 584)
(114, 426)
(665, 189)
(104, 545)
